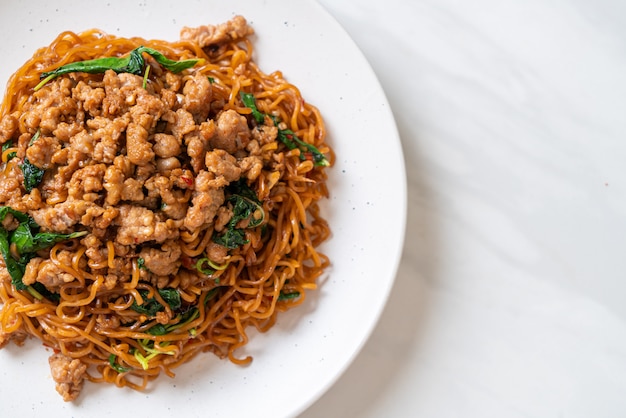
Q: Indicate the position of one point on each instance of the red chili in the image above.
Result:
(187, 180)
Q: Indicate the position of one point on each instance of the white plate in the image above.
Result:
(300, 358)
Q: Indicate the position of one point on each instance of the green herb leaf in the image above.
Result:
(6, 146)
(151, 306)
(173, 66)
(27, 241)
(116, 366)
(287, 296)
(286, 136)
(15, 268)
(32, 175)
(250, 102)
(291, 141)
(141, 263)
(43, 291)
(246, 205)
(232, 238)
(20, 216)
(132, 63)
(184, 319)
(157, 329)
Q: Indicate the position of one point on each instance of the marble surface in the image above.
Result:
(510, 296)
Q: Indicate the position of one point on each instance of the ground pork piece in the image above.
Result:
(176, 210)
(166, 165)
(83, 142)
(208, 35)
(138, 224)
(204, 203)
(123, 163)
(49, 120)
(22, 144)
(121, 92)
(49, 103)
(253, 148)
(138, 148)
(96, 252)
(182, 178)
(197, 97)
(31, 201)
(173, 82)
(216, 253)
(10, 186)
(224, 214)
(161, 186)
(164, 261)
(69, 375)
(113, 102)
(113, 184)
(265, 134)
(106, 134)
(86, 180)
(166, 146)
(60, 156)
(221, 163)
(233, 133)
(182, 125)
(208, 129)
(251, 167)
(8, 126)
(52, 276)
(169, 99)
(91, 98)
(99, 217)
(18, 337)
(132, 190)
(30, 275)
(108, 322)
(148, 108)
(197, 146)
(62, 216)
(64, 131)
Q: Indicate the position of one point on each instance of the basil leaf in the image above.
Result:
(43, 290)
(133, 63)
(141, 263)
(116, 366)
(250, 102)
(232, 238)
(32, 175)
(20, 216)
(286, 136)
(246, 205)
(173, 66)
(27, 242)
(6, 146)
(151, 306)
(287, 296)
(16, 269)
(291, 141)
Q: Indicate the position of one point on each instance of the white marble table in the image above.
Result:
(510, 299)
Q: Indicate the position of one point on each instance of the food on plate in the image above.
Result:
(156, 200)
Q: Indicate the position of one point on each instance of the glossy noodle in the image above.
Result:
(151, 216)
